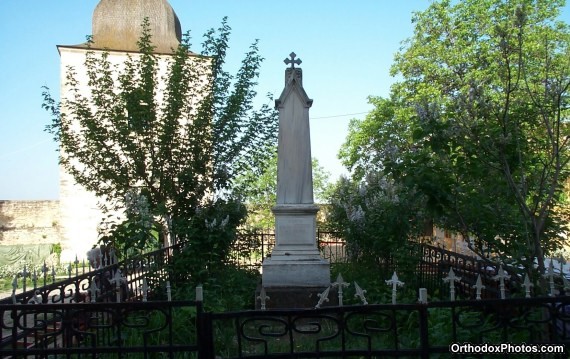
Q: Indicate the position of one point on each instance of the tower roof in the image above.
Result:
(117, 25)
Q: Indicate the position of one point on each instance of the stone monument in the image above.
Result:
(295, 265)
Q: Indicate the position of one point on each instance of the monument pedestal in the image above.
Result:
(295, 261)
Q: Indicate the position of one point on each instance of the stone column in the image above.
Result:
(295, 260)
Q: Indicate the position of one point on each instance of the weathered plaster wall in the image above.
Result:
(29, 222)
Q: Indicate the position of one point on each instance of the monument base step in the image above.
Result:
(295, 297)
(310, 272)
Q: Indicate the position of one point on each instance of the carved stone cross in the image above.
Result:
(292, 61)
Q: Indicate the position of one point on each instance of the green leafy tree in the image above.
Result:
(258, 189)
(165, 146)
(480, 123)
(378, 139)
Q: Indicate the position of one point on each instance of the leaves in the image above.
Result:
(478, 123)
(174, 130)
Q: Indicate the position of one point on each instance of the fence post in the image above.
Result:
(204, 332)
(424, 338)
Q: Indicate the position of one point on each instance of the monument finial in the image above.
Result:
(292, 61)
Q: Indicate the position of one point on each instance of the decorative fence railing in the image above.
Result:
(433, 330)
(152, 329)
(125, 278)
(109, 312)
(513, 328)
(433, 265)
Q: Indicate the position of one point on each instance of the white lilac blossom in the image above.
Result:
(357, 215)
(214, 223)
(137, 206)
(225, 221)
(210, 225)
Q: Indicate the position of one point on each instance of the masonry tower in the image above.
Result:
(117, 26)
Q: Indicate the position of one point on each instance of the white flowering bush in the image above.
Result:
(210, 233)
(376, 217)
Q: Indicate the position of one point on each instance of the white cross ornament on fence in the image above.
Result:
(323, 297)
(360, 293)
(395, 283)
(145, 290)
(479, 287)
(550, 276)
(263, 298)
(118, 280)
(423, 297)
(451, 279)
(500, 277)
(199, 292)
(527, 284)
(340, 283)
(93, 291)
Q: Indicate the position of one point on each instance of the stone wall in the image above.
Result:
(29, 222)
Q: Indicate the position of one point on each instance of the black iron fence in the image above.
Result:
(100, 330)
(510, 328)
(124, 278)
(73, 322)
(432, 266)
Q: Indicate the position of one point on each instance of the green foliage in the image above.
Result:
(225, 288)
(371, 276)
(489, 83)
(210, 235)
(377, 218)
(161, 138)
(259, 190)
(478, 124)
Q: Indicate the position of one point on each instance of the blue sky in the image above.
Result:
(346, 47)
